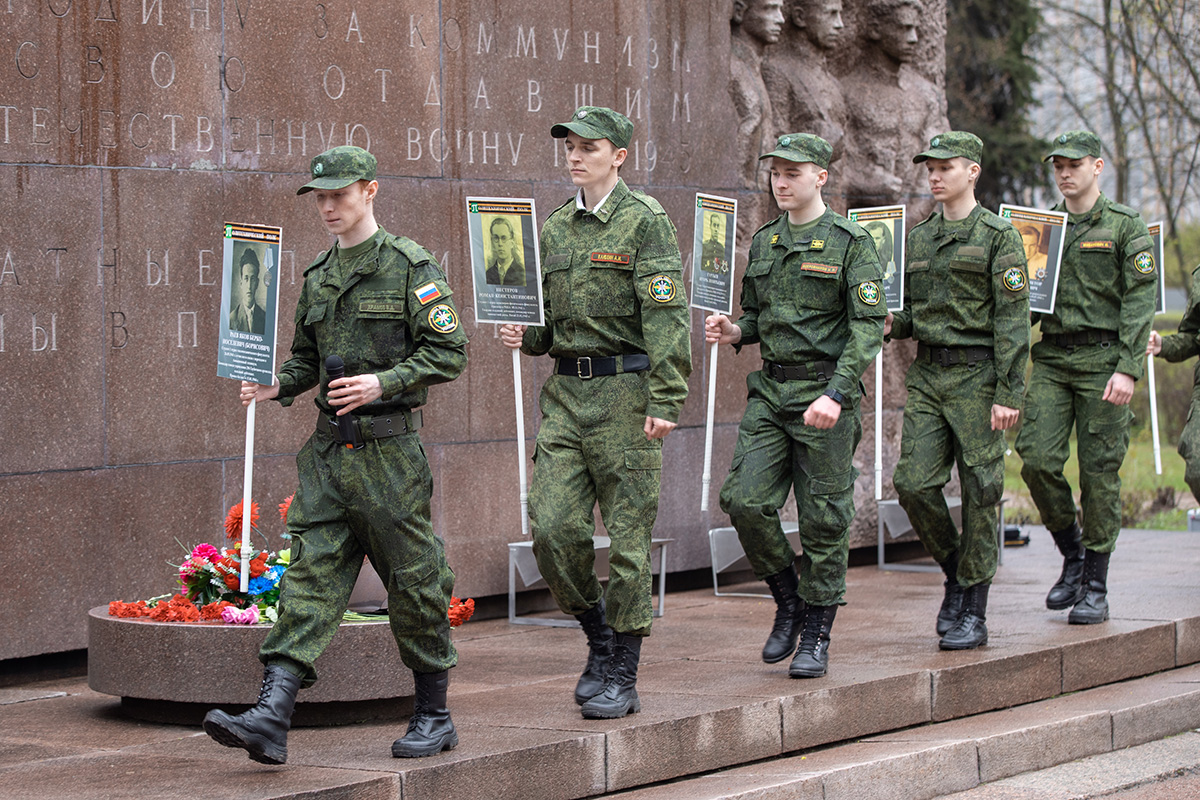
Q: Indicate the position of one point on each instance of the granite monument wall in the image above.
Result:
(130, 130)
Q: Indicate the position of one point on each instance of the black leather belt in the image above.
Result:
(380, 427)
(951, 356)
(588, 367)
(816, 371)
(1069, 341)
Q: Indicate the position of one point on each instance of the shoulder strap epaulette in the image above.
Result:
(1120, 208)
(319, 261)
(409, 249)
(648, 201)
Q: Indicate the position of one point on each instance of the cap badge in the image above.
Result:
(581, 114)
(785, 141)
(1062, 139)
(934, 143)
(318, 168)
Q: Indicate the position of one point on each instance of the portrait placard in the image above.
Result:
(505, 263)
(1043, 233)
(712, 253)
(249, 302)
(886, 226)
(1160, 304)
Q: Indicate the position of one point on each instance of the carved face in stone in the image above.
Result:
(761, 19)
(821, 20)
(898, 37)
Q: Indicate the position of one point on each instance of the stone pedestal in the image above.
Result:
(174, 671)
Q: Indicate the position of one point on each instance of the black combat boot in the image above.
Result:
(600, 648)
(1069, 589)
(952, 600)
(1093, 607)
(970, 631)
(812, 657)
(261, 731)
(620, 695)
(430, 730)
(789, 609)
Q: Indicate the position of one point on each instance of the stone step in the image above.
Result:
(938, 759)
(709, 705)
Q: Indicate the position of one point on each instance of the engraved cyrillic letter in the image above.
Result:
(195, 328)
(156, 274)
(526, 47)
(534, 94)
(383, 73)
(204, 267)
(353, 28)
(340, 82)
(163, 76)
(9, 269)
(21, 67)
(47, 340)
(120, 334)
(101, 266)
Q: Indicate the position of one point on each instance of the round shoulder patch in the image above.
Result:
(1014, 279)
(1144, 263)
(869, 293)
(662, 289)
(442, 318)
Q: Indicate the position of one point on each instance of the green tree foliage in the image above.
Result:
(989, 91)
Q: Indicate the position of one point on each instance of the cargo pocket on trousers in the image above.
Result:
(986, 467)
(835, 493)
(410, 578)
(1112, 440)
(643, 459)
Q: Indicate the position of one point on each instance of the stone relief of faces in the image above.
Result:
(820, 19)
(895, 27)
(760, 19)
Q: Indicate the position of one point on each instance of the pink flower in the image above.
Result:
(206, 552)
(240, 616)
(189, 568)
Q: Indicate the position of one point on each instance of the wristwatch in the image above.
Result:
(836, 396)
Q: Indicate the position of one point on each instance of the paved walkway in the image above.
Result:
(710, 707)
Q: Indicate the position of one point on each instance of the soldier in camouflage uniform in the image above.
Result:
(617, 327)
(1084, 370)
(381, 303)
(1179, 347)
(966, 302)
(811, 298)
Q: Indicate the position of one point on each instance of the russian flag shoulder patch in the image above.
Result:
(427, 293)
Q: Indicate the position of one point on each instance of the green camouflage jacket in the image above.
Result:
(1106, 281)
(815, 299)
(969, 288)
(1186, 343)
(392, 316)
(612, 282)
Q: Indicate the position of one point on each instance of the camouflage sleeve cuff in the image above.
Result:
(669, 413)
(901, 327)
(1131, 367)
(537, 340)
(1007, 398)
(1179, 346)
(390, 383)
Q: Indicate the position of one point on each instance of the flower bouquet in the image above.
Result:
(210, 581)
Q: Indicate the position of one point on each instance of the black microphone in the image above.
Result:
(336, 368)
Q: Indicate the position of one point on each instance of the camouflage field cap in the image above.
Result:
(340, 167)
(1075, 144)
(596, 122)
(801, 147)
(953, 144)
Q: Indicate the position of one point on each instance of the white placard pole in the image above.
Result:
(524, 479)
(247, 503)
(1154, 415)
(708, 429)
(879, 426)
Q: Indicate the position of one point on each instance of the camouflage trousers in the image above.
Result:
(775, 452)
(948, 421)
(591, 449)
(374, 502)
(1059, 400)
(1189, 444)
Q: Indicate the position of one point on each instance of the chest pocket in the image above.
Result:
(815, 289)
(969, 278)
(556, 277)
(1098, 258)
(919, 280)
(316, 313)
(383, 320)
(609, 289)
